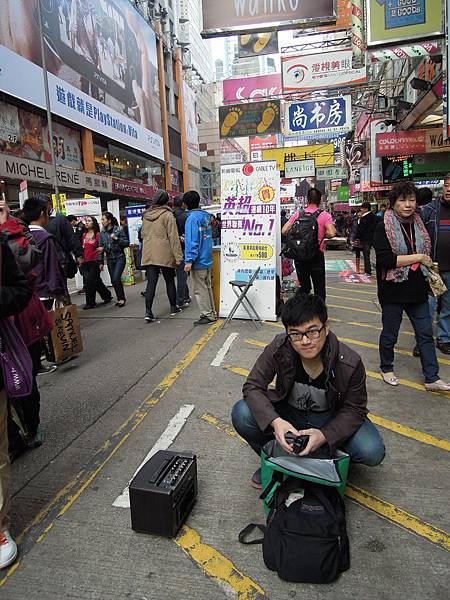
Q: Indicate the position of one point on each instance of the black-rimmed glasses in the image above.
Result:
(313, 335)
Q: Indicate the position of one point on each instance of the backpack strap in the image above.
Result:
(270, 489)
(247, 530)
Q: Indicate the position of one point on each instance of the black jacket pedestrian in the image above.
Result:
(67, 242)
(366, 228)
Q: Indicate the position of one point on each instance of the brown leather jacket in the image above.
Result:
(346, 386)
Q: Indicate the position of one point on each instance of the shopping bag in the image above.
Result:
(66, 334)
(435, 281)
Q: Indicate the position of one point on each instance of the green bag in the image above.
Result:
(277, 465)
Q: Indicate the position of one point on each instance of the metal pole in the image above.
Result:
(49, 112)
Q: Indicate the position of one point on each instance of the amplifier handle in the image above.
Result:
(166, 462)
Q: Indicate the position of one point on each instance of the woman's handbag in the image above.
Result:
(16, 363)
(435, 281)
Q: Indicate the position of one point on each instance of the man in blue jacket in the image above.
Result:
(198, 256)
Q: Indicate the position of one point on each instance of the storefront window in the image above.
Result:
(131, 166)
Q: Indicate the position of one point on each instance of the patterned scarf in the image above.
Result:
(399, 247)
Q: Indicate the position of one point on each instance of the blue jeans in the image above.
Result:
(443, 326)
(182, 287)
(419, 315)
(115, 268)
(365, 446)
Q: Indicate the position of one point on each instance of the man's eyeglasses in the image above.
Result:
(313, 335)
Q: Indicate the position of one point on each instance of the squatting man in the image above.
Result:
(320, 390)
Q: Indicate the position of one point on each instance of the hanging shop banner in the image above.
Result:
(390, 21)
(355, 157)
(190, 117)
(252, 88)
(222, 17)
(328, 69)
(250, 234)
(300, 168)
(402, 142)
(102, 63)
(133, 215)
(344, 17)
(243, 120)
(325, 173)
(397, 52)
(257, 44)
(377, 126)
(259, 143)
(330, 115)
(323, 154)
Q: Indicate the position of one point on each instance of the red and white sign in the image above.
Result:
(402, 142)
(131, 188)
(260, 143)
(251, 88)
(325, 70)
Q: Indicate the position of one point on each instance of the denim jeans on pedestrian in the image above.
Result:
(182, 287)
(365, 446)
(419, 315)
(116, 267)
(443, 326)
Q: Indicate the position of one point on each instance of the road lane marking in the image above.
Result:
(218, 360)
(217, 566)
(66, 497)
(353, 309)
(356, 291)
(352, 299)
(371, 374)
(404, 430)
(165, 440)
(389, 511)
(366, 325)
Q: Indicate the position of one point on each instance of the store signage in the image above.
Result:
(257, 44)
(252, 88)
(432, 163)
(102, 67)
(131, 188)
(329, 69)
(300, 168)
(377, 126)
(190, 119)
(230, 17)
(133, 215)
(323, 154)
(418, 141)
(397, 168)
(329, 115)
(243, 120)
(343, 193)
(250, 234)
(325, 173)
(259, 143)
(390, 21)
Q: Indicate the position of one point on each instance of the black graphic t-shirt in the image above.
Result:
(308, 394)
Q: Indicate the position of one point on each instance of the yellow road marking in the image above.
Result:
(330, 287)
(362, 310)
(70, 493)
(217, 566)
(400, 517)
(404, 430)
(366, 325)
(382, 508)
(352, 299)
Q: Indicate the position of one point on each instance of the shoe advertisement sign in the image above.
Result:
(102, 66)
(250, 236)
(244, 120)
(257, 44)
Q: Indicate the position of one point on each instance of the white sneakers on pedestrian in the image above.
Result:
(8, 549)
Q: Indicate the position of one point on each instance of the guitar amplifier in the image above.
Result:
(163, 492)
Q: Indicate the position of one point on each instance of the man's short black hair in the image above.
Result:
(403, 188)
(314, 196)
(366, 205)
(178, 202)
(71, 218)
(424, 196)
(302, 308)
(192, 199)
(34, 207)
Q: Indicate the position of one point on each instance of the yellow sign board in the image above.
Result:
(256, 251)
(62, 201)
(323, 154)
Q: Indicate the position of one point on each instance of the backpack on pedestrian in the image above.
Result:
(302, 242)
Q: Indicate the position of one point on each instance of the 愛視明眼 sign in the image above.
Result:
(391, 21)
(328, 115)
(254, 118)
(242, 16)
(250, 234)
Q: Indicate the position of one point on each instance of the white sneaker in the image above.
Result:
(8, 549)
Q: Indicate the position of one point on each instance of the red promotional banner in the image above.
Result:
(131, 188)
(262, 142)
(259, 87)
(402, 142)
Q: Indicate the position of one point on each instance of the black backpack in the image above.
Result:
(303, 239)
(305, 542)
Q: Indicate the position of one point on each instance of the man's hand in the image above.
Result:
(187, 267)
(280, 428)
(316, 440)
(80, 260)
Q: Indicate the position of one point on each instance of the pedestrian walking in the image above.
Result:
(436, 216)
(113, 242)
(68, 244)
(316, 225)
(183, 297)
(15, 294)
(161, 252)
(365, 232)
(92, 265)
(403, 247)
(198, 256)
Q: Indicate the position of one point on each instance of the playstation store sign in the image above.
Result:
(330, 115)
